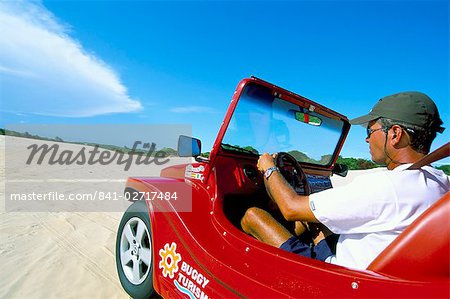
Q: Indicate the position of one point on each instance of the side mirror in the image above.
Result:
(340, 170)
(189, 146)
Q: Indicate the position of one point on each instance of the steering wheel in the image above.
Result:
(293, 173)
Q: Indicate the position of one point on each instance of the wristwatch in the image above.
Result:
(269, 171)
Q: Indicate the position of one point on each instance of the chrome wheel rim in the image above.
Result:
(135, 251)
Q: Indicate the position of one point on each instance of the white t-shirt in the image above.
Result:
(372, 210)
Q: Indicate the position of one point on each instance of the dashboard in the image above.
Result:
(239, 176)
(318, 183)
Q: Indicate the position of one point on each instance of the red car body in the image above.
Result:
(202, 254)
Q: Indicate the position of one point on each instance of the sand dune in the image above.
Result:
(57, 255)
(61, 254)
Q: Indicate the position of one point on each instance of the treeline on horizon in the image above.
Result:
(169, 151)
(356, 163)
(360, 164)
(351, 163)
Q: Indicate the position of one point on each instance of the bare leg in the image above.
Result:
(261, 225)
(300, 227)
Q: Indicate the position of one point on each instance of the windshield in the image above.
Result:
(263, 122)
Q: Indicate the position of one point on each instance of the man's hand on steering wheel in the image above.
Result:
(292, 172)
(265, 162)
(288, 167)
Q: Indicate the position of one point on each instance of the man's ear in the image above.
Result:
(397, 134)
(396, 131)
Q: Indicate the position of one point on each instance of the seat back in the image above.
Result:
(423, 249)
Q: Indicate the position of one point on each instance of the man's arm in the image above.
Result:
(294, 207)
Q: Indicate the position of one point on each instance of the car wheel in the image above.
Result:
(134, 251)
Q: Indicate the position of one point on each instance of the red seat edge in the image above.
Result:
(422, 250)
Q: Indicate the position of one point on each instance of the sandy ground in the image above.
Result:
(57, 255)
(61, 254)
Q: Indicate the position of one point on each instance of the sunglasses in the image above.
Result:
(370, 131)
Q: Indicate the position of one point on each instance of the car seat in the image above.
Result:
(422, 250)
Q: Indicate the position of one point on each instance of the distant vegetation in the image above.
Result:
(445, 169)
(352, 163)
(206, 154)
(356, 164)
(169, 151)
(299, 156)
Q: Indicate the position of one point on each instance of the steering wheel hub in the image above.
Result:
(293, 173)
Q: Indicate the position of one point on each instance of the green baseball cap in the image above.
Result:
(410, 107)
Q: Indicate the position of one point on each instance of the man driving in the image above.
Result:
(372, 210)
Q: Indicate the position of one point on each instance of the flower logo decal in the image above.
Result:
(169, 260)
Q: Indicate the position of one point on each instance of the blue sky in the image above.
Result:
(139, 62)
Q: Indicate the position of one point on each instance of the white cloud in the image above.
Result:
(45, 71)
(16, 72)
(193, 109)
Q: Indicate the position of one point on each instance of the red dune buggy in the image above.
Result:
(185, 241)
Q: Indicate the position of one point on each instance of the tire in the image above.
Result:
(134, 251)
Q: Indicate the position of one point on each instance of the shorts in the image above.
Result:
(321, 251)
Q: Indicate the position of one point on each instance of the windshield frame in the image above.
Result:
(288, 97)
